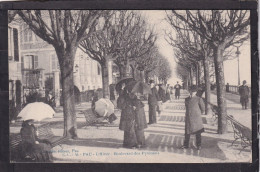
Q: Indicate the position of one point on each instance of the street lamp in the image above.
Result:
(237, 53)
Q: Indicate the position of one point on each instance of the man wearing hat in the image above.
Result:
(244, 94)
(152, 102)
(195, 107)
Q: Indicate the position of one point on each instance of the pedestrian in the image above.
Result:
(244, 95)
(32, 148)
(171, 92)
(140, 120)
(201, 90)
(132, 136)
(161, 98)
(193, 121)
(168, 92)
(177, 88)
(227, 88)
(152, 102)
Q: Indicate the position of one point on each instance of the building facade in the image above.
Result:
(34, 62)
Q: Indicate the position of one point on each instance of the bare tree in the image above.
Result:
(142, 42)
(196, 49)
(64, 30)
(221, 29)
(164, 71)
(147, 63)
(113, 42)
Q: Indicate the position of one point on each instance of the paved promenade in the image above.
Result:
(234, 108)
(104, 144)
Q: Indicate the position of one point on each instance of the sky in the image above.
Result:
(157, 18)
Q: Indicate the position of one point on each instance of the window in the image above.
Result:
(82, 87)
(27, 62)
(27, 34)
(10, 43)
(35, 62)
(16, 47)
(30, 62)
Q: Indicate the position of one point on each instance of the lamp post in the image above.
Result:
(237, 53)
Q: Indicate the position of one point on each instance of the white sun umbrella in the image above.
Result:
(36, 111)
(104, 107)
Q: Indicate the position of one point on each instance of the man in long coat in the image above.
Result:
(153, 103)
(195, 107)
(177, 88)
(244, 95)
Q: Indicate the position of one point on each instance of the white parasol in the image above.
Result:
(36, 111)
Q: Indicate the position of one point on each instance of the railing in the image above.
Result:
(234, 89)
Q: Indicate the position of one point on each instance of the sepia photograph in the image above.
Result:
(129, 86)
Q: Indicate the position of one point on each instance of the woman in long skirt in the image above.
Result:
(132, 120)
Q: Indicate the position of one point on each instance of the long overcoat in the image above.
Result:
(193, 120)
(177, 88)
(127, 119)
(244, 93)
(162, 94)
(140, 119)
(153, 98)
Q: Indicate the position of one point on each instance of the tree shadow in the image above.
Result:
(60, 124)
(172, 143)
(163, 142)
(99, 142)
(170, 118)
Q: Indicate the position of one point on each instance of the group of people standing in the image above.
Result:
(159, 96)
(133, 120)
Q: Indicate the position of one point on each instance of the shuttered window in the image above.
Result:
(36, 63)
(16, 47)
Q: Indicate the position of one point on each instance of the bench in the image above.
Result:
(240, 131)
(93, 120)
(45, 132)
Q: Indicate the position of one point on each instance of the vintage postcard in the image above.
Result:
(130, 86)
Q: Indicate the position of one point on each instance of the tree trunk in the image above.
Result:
(125, 71)
(146, 76)
(191, 76)
(198, 73)
(207, 84)
(220, 82)
(120, 68)
(66, 60)
(133, 71)
(105, 79)
(142, 75)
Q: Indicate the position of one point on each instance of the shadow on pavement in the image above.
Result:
(172, 143)
(169, 118)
